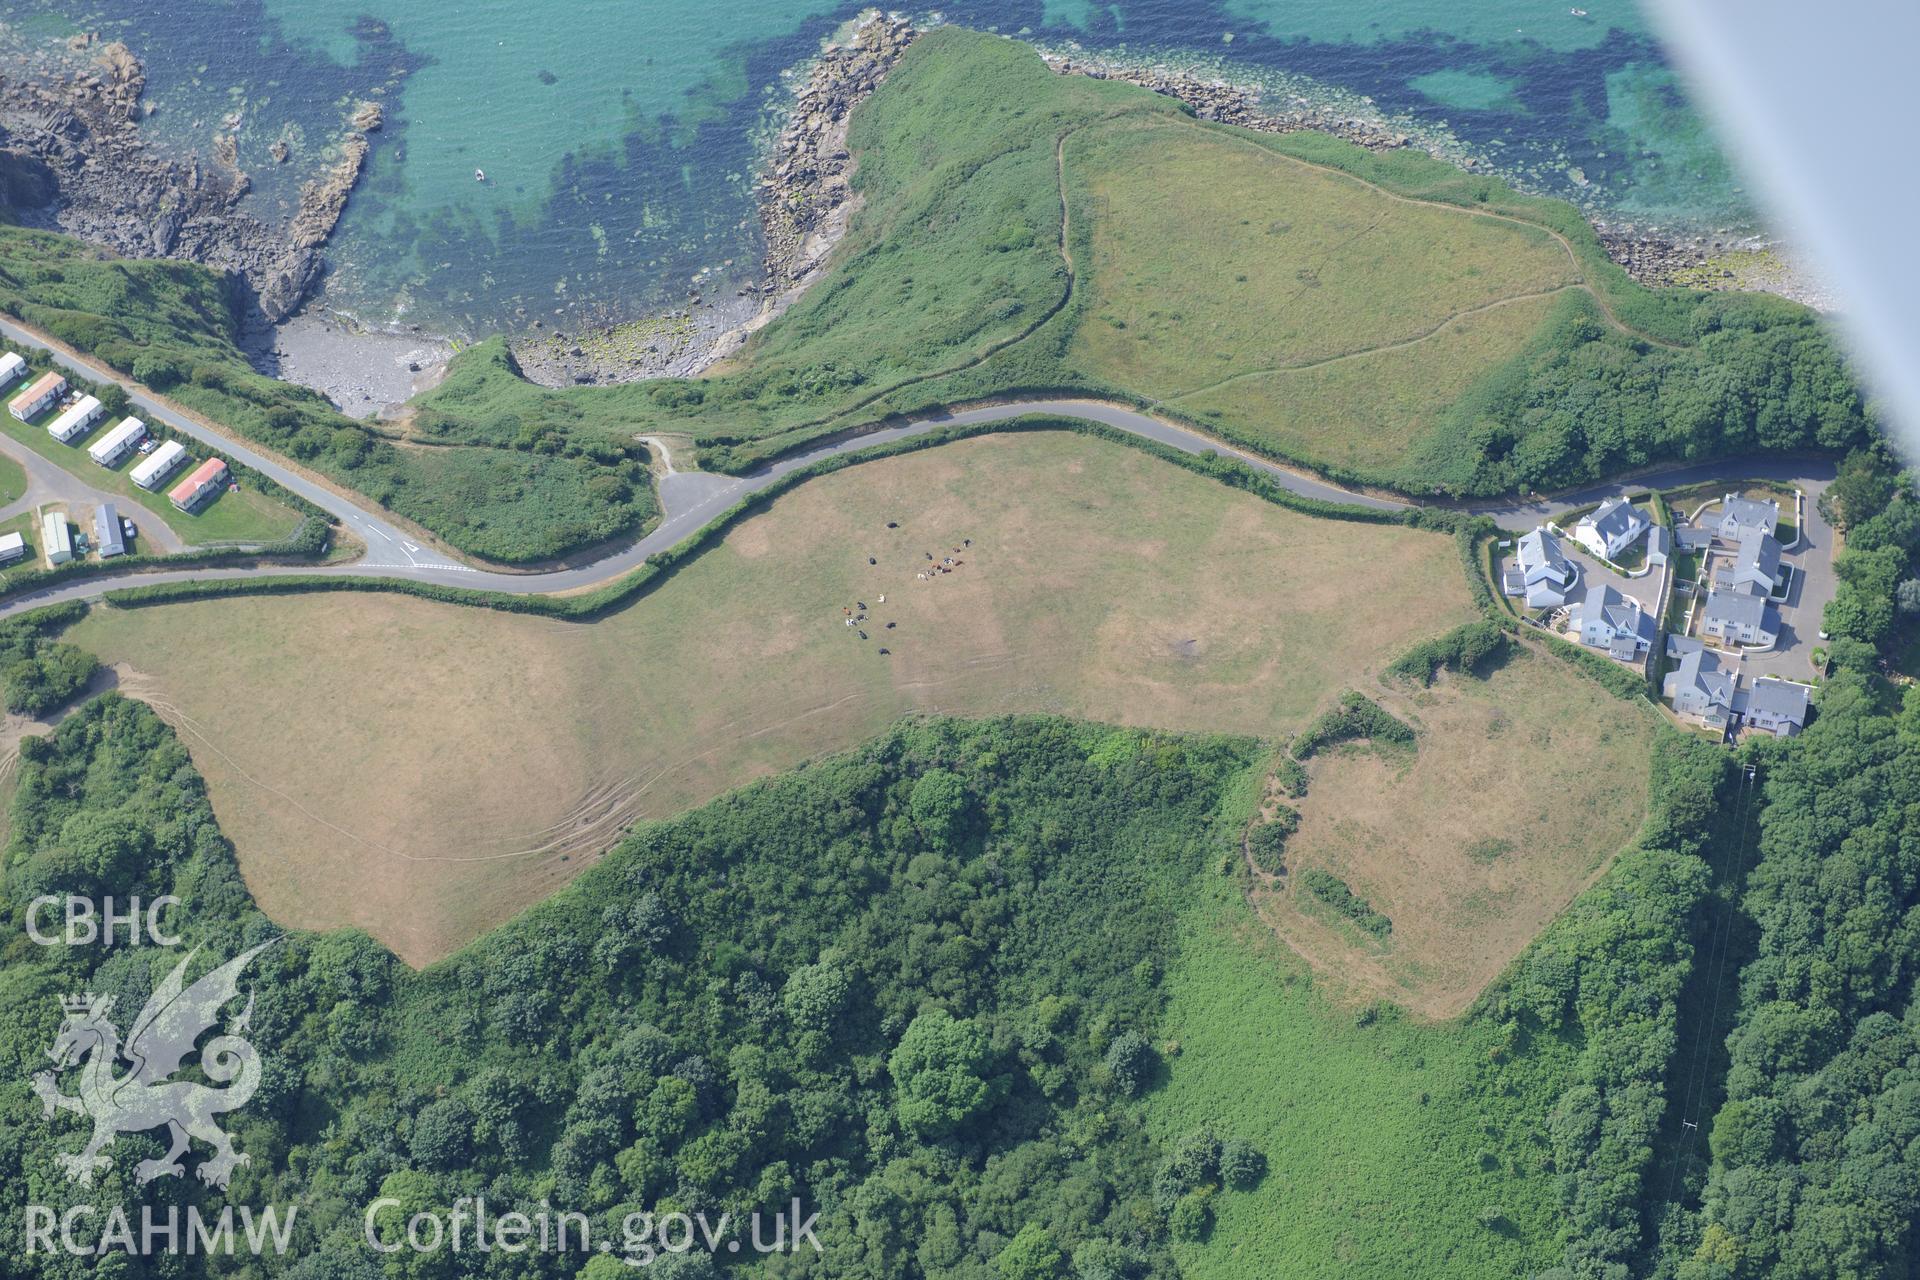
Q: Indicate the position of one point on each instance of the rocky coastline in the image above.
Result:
(806, 200)
(73, 158)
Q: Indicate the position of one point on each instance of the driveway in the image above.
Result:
(1813, 586)
(1594, 575)
(48, 483)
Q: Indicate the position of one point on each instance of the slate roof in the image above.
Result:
(1759, 555)
(1612, 608)
(1681, 646)
(1616, 518)
(1692, 537)
(1749, 513)
(1700, 669)
(1782, 699)
(1539, 550)
(1736, 608)
(1629, 628)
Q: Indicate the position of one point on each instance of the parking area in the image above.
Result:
(50, 486)
(1716, 591)
(1806, 562)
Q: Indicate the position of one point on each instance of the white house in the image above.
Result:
(1741, 516)
(1701, 689)
(80, 416)
(1735, 617)
(1777, 706)
(56, 538)
(108, 538)
(1753, 568)
(1608, 620)
(1541, 571)
(1659, 546)
(1610, 528)
(117, 443)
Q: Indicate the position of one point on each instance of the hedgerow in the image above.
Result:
(1465, 648)
(1357, 717)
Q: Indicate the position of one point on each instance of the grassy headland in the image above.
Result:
(1383, 318)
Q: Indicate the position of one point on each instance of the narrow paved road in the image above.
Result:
(689, 500)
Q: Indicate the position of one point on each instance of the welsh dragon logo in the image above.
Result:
(143, 1097)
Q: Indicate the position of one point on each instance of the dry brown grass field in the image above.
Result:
(1521, 788)
(425, 770)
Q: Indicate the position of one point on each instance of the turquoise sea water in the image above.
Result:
(618, 136)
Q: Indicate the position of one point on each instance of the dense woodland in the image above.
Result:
(1816, 1146)
(1757, 374)
(914, 986)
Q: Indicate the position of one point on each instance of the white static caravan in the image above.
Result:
(12, 368)
(56, 538)
(117, 443)
(74, 422)
(12, 547)
(159, 464)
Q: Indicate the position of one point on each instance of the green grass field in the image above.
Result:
(1024, 231)
(245, 516)
(1385, 1142)
(1021, 231)
(1198, 254)
(1367, 413)
(1216, 256)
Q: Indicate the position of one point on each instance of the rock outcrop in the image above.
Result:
(1237, 105)
(72, 158)
(806, 200)
(805, 196)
